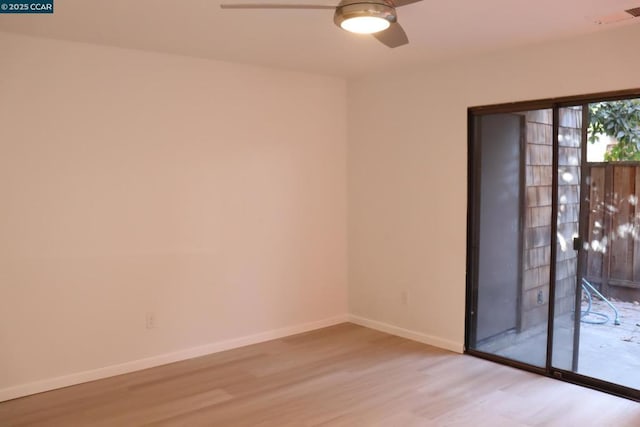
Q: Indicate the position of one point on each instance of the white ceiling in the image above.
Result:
(307, 40)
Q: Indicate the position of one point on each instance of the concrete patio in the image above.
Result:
(608, 352)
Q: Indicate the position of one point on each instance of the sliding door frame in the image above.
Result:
(473, 204)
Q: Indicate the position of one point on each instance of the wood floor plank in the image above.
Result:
(345, 375)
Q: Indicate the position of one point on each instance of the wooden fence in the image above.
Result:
(613, 258)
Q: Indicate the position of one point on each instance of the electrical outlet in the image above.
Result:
(404, 298)
(151, 320)
(540, 297)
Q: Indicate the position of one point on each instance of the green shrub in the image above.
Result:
(620, 120)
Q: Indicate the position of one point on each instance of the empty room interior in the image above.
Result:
(229, 213)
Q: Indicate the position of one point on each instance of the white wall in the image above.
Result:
(213, 195)
(210, 194)
(407, 170)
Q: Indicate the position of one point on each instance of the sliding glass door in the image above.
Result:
(608, 346)
(554, 243)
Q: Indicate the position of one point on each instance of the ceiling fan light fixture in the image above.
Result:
(364, 18)
(365, 24)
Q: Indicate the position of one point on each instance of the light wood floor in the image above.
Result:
(345, 375)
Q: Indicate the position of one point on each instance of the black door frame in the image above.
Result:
(473, 158)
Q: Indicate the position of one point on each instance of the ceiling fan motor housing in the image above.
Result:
(364, 9)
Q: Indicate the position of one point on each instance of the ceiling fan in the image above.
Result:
(376, 17)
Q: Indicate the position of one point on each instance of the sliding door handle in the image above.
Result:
(577, 243)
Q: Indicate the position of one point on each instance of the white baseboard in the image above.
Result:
(163, 359)
(406, 333)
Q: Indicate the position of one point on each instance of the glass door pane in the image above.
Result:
(609, 339)
(512, 245)
(596, 314)
(567, 273)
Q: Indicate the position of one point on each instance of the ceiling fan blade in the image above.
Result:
(393, 36)
(275, 6)
(398, 3)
